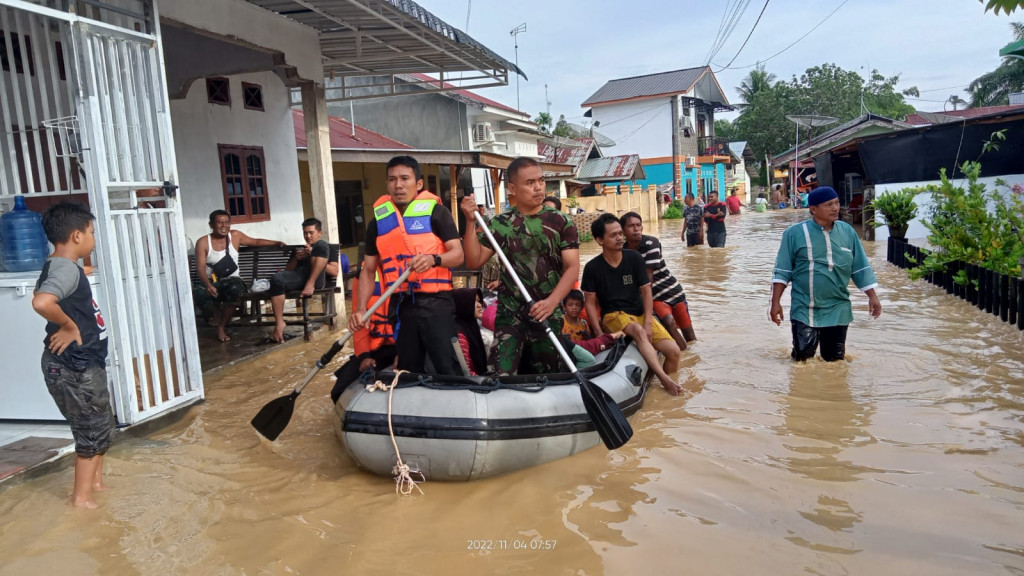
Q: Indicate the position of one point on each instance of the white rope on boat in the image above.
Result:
(404, 482)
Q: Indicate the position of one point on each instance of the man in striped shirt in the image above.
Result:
(670, 305)
(819, 257)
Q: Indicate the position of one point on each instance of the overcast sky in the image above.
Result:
(575, 46)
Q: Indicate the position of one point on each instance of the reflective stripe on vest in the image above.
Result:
(402, 236)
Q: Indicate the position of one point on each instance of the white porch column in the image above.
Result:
(321, 171)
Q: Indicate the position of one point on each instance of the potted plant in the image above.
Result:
(897, 210)
(573, 204)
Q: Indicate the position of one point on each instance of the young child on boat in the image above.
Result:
(575, 327)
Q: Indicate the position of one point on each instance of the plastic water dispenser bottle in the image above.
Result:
(23, 245)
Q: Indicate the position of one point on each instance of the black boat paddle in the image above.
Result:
(604, 412)
(274, 417)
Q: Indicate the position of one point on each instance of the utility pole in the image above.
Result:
(515, 32)
(677, 180)
(547, 99)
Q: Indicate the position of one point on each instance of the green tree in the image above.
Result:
(994, 88)
(881, 98)
(763, 121)
(827, 90)
(562, 128)
(1007, 6)
(725, 129)
(758, 79)
(544, 121)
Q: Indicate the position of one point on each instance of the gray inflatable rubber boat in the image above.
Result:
(452, 428)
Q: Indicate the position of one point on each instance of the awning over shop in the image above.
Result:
(391, 37)
(1015, 49)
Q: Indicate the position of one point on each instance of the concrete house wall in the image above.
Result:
(200, 126)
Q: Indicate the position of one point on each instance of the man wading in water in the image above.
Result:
(820, 256)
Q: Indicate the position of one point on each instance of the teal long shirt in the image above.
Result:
(820, 266)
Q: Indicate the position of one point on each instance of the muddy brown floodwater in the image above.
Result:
(906, 459)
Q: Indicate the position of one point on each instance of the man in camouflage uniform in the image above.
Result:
(542, 245)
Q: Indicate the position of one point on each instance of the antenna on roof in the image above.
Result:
(515, 32)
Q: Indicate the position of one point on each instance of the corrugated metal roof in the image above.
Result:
(675, 82)
(342, 137)
(925, 118)
(571, 155)
(468, 94)
(839, 133)
(387, 36)
(612, 169)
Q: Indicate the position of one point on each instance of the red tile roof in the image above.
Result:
(471, 95)
(342, 137)
(918, 120)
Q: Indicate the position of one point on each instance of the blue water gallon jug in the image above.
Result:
(23, 245)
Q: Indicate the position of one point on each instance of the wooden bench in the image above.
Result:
(262, 263)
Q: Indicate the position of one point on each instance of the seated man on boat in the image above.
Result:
(411, 228)
(542, 245)
(374, 343)
(618, 282)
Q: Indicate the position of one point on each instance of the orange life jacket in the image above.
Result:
(377, 331)
(402, 236)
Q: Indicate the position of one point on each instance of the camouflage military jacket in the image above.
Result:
(533, 244)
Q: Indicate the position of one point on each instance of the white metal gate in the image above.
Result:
(110, 132)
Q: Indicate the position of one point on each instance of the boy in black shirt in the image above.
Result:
(714, 215)
(75, 348)
(617, 280)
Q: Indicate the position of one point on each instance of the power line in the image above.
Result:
(729, 23)
(946, 88)
(748, 35)
(721, 26)
(791, 45)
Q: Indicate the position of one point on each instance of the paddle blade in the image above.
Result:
(608, 419)
(274, 417)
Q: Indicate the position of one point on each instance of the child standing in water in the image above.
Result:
(75, 347)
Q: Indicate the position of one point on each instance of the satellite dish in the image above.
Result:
(580, 131)
(811, 119)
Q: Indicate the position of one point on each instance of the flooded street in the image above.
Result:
(906, 459)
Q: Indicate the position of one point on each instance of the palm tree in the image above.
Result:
(955, 101)
(756, 81)
(544, 121)
(994, 88)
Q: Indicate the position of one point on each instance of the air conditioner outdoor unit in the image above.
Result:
(686, 126)
(482, 132)
(691, 160)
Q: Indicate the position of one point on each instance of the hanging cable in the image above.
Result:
(791, 45)
(748, 35)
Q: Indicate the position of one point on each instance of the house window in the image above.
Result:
(245, 183)
(20, 61)
(218, 91)
(252, 96)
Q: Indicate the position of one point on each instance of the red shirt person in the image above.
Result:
(733, 203)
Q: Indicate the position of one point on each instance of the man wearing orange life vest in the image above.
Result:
(374, 344)
(411, 228)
